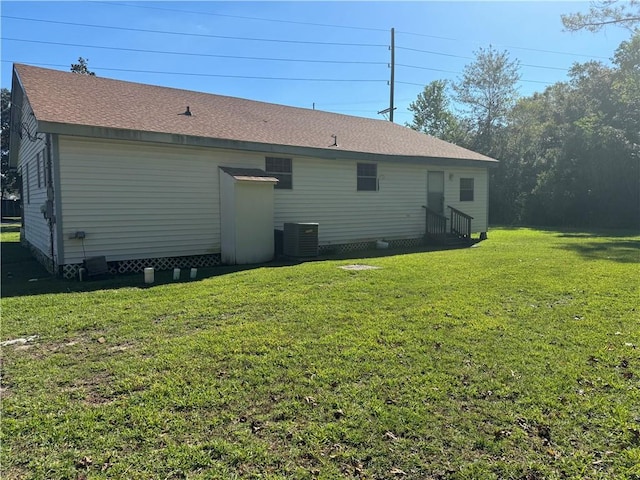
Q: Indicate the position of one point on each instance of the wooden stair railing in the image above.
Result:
(436, 225)
(460, 223)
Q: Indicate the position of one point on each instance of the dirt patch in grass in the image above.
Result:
(358, 267)
(94, 390)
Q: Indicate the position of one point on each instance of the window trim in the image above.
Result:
(467, 194)
(361, 186)
(279, 174)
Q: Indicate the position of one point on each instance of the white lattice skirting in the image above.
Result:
(358, 246)
(70, 271)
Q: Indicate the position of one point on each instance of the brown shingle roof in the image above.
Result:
(68, 98)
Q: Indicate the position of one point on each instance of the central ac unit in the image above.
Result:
(300, 240)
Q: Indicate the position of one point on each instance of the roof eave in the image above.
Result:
(177, 139)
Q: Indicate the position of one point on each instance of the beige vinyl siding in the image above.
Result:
(32, 144)
(140, 200)
(476, 208)
(325, 192)
(136, 200)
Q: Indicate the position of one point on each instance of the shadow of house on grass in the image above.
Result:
(22, 275)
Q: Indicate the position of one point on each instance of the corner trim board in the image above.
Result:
(57, 194)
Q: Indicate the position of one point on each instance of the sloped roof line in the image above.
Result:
(249, 174)
(66, 98)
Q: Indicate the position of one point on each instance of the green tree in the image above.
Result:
(82, 67)
(625, 14)
(487, 92)
(589, 147)
(431, 112)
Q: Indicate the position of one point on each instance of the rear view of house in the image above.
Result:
(155, 176)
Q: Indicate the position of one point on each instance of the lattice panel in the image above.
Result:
(135, 266)
(70, 271)
(346, 247)
(406, 243)
(354, 247)
(167, 263)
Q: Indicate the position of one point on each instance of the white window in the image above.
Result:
(282, 169)
(367, 177)
(466, 189)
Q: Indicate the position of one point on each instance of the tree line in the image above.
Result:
(568, 156)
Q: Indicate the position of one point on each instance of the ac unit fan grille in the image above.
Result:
(300, 240)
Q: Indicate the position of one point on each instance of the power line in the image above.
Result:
(333, 104)
(217, 75)
(434, 53)
(428, 36)
(451, 71)
(526, 81)
(294, 22)
(544, 66)
(555, 52)
(236, 57)
(200, 35)
(426, 68)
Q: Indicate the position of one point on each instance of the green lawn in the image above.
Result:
(517, 359)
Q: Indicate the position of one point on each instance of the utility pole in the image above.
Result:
(393, 67)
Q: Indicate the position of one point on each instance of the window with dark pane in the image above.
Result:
(367, 177)
(466, 189)
(281, 168)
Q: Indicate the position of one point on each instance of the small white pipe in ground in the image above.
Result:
(176, 274)
(194, 272)
(81, 273)
(148, 275)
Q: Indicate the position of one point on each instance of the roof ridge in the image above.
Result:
(86, 102)
(150, 85)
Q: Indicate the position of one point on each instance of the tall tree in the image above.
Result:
(487, 91)
(431, 113)
(82, 67)
(624, 14)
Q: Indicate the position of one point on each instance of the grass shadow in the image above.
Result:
(575, 232)
(22, 275)
(623, 251)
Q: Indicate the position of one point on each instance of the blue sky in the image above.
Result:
(346, 43)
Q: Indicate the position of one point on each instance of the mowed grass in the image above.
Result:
(517, 359)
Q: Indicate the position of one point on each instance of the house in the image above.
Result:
(154, 176)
